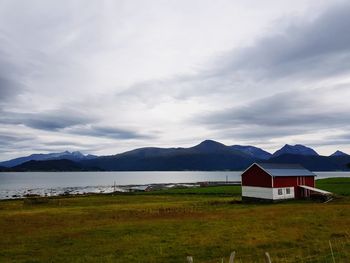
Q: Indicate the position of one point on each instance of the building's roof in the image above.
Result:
(276, 169)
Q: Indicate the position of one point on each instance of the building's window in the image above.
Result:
(280, 192)
(288, 191)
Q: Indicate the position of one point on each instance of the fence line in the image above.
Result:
(338, 252)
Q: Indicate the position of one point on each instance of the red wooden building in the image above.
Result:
(269, 181)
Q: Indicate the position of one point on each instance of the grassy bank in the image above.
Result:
(340, 186)
(207, 223)
(230, 190)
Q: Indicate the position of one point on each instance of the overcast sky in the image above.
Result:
(103, 77)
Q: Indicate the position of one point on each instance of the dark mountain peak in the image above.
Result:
(76, 153)
(210, 142)
(339, 153)
(209, 145)
(73, 156)
(289, 146)
(297, 149)
(148, 152)
(208, 155)
(252, 151)
(214, 147)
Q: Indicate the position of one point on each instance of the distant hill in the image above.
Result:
(339, 153)
(311, 162)
(253, 151)
(297, 149)
(342, 160)
(73, 156)
(49, 165)
(208, 155)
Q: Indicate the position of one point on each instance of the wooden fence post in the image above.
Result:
(232, 257)
(267, 257)
(189, 259)
(330, 245)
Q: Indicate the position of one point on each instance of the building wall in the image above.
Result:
(268, 193)
(257, 192)
(284, 181)
(295, 181)
(255, 176)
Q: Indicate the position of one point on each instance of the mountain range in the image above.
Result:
(73, 156)
(209, 155)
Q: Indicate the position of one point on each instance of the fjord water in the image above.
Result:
(19, 183)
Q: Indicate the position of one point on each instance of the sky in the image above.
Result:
(103, 77)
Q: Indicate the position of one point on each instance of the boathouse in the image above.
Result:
(273, 182)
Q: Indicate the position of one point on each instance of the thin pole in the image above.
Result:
(267, 257)
(330, 245)
(232, 257)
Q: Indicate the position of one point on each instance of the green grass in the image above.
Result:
(232, 190)
(166, 226)
(340, 186)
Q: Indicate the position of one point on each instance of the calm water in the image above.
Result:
(51, 183)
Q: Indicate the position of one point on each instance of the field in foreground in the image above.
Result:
(207, 223)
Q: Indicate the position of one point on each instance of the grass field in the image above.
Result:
(212, 190)
(166, 226)
(340, 186)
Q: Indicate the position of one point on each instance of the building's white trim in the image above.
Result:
(267, 192)
(272, 177)
(284, 194)
(257, 192)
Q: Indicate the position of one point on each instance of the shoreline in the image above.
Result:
(105, 189)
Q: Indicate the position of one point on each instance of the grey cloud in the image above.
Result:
(282, 114)
(339, 139)
(7, 89)
(309, 49)
(67, 122)
(10, 80)
(35, 143)
(12, 139)
(303, 51)
(49, 121)
(255, 132)
(16, 142)
(282, 109)
(13, 68)
(65, 143)
(109, 132)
